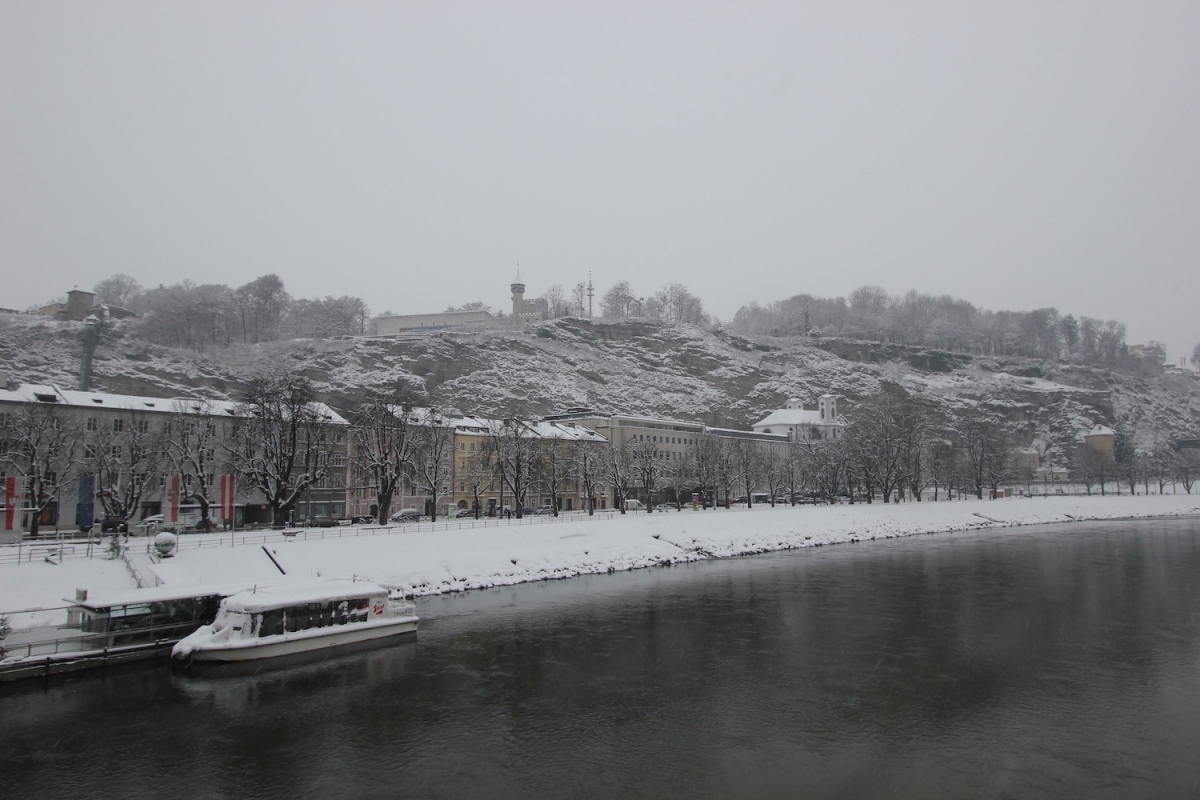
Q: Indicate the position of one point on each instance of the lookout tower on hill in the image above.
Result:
(518, 296)
(524, 311)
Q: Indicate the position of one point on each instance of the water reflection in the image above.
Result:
(1032, 662)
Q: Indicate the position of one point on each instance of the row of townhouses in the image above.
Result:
(73, 458)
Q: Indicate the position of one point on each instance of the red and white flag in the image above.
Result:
(12, 503)
(227, 495)
(173, 499)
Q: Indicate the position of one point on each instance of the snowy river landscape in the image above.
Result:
(1046, 660)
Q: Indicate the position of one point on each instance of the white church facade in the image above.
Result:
(799, 424)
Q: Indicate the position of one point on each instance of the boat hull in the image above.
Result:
(303, 641)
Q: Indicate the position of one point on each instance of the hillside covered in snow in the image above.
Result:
(629, 366)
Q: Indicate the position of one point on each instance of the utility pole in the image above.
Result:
(590, 292)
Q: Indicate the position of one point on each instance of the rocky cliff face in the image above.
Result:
(632, 366)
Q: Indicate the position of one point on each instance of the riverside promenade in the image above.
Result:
(434, 558)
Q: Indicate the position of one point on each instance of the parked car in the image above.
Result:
(456, 513)
(546, 509)
(362, 519)
(114, 524)
(406, 515)
(667, 507)
(323, 522)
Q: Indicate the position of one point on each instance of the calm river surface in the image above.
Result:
(1059, 661)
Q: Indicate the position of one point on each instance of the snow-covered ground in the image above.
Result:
(445, 559)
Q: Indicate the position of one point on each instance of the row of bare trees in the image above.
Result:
(203, 316)
(946, 323)
(1128, 467)
(398, 444)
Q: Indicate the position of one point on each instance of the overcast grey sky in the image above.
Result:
(1012, 154)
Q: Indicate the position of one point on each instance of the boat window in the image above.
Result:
(272, 624)
(320, 615)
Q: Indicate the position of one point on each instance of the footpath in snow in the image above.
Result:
(433, 560)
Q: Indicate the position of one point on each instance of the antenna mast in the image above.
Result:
(590, 293)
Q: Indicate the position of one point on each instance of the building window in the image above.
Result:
(91, 423)
(118, 425)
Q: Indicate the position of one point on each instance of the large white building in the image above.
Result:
(800, 424)
(431, 323)
(91, 421)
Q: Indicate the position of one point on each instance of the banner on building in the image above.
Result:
(85, 506)
(227, 494)
(12, 504)
(173, 499)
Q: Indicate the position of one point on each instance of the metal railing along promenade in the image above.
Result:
(56, 550)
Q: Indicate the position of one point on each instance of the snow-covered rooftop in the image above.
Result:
(52, 394)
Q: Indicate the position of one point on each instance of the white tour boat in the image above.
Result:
(286, 619)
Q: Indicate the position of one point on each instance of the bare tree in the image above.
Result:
(117, 290)
(679, 476)
(1086, 463)
(648, 468)
(281, 443)
(1160, 464)
(190, 440)
(943, 465)
(620, 468)
(43, 446)
(725, 468)
(261, 305)
(882, 437)
(705, 455)
(747, 460)
(125, 455)
(434, 447)
(579, 299)
(478, 472)
(589, 468)
(557, 304)
(382, 447)
(793, 462)
(774, 472)
(987, 449)
(1187, 467)
(677, 305)
(618, 302)
(513, 445)
(831, 465)
(555, 464)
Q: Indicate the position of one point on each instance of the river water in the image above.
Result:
(1047, 662)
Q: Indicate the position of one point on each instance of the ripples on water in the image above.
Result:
(1040, 662)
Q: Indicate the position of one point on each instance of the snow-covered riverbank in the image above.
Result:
(432, 561)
